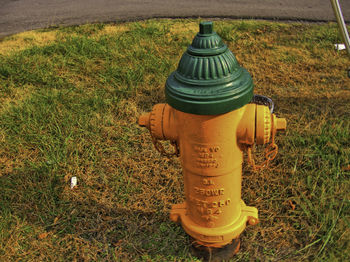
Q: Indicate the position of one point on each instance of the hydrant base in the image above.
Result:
(213, 254)
(216, 237)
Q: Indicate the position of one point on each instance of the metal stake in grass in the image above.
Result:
(343, 31)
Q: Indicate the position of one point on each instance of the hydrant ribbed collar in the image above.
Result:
(208, 80)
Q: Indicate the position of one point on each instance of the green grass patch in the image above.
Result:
(69, 101)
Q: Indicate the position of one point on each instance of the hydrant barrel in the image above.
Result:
(210, 121)
(212, 163)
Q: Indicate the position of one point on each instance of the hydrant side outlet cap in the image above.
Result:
(208, 79)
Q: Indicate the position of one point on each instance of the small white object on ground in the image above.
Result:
(339, 47)
(73, 182)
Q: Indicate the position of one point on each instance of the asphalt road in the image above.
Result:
(22, 15)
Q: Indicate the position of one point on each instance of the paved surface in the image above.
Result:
(22, 15)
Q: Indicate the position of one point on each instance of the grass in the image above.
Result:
(69, 101)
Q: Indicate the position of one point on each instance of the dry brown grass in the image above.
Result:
(24, 40)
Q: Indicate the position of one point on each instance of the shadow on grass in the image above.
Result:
(44, 203)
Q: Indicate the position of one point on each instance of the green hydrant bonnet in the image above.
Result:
(208, 79)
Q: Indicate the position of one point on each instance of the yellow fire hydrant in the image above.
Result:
(210, 121)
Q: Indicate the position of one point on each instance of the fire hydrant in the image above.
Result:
(210, 121)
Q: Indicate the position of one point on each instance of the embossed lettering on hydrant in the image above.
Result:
(205, 156)
(207, 181)
(208, 204)
(209, 192)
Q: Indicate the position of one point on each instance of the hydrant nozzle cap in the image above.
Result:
(281, 124)
(144, 120)
(208, 79)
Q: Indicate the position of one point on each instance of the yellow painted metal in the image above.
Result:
(211, 153)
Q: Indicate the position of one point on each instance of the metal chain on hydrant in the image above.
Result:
(270, 153)
(158, 145)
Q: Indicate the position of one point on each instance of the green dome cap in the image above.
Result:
(208, 79)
